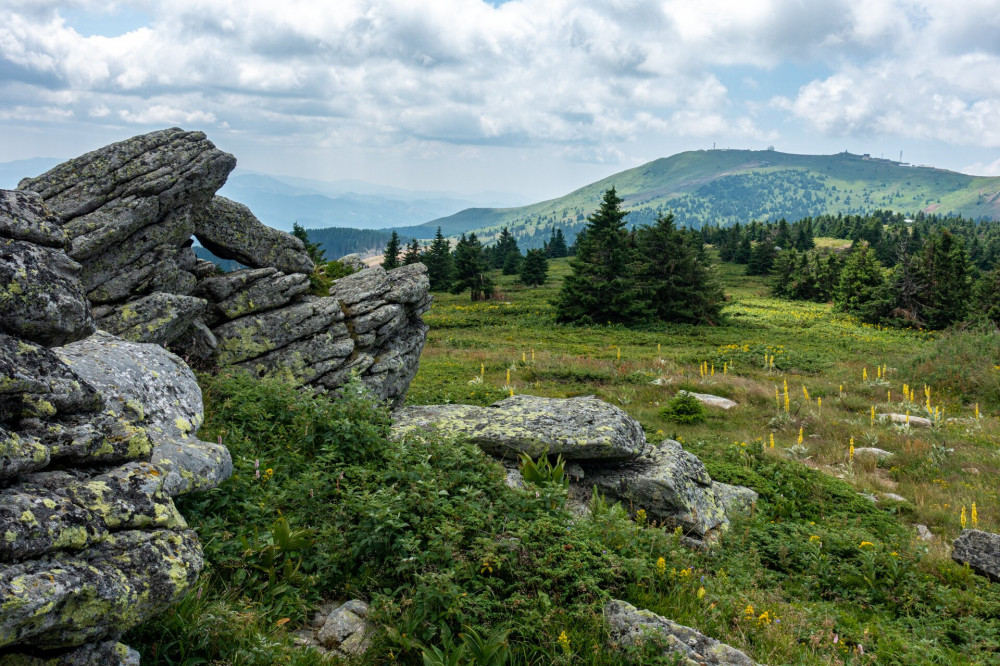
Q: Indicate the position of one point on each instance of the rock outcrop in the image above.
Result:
(630, 627)
(92, 543)
(980, 550)
(128, 212)
(606, 447)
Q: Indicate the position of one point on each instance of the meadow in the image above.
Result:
(828, 569)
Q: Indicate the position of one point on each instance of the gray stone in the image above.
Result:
(105, 653)
(40, 294)
(630, 626)
(354, 262)
(913, 421)
(578, 428)
(150, 179)
(892, 497)
(981, 551)
(254, 335)
(159, 318)
(159, 269)
(408, 284)
(230, 231)
(670, 484)
(304, 361)
(711, 400)
(35, 382)
(63, 600)
(25, 217)
(244, 292)
(874, 452)
(169, 410)
(346, 629)
(734, 499)
(367, 286)
(923, 532)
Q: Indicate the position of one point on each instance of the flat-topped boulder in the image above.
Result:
(711, 400)
(576, 428)
(630, 626)
(908, 419)
(980, 550)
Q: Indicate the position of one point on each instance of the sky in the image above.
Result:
(532, 97)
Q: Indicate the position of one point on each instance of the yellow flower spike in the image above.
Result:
(772, 361)
(701, 592)
(512, 391)
(841, 388)
(878, 371)
(713, 369)
(725, 367)
(888, 395)
(772, 440)
(907, 417)
(563, 641)
(532, 355)
(864, 544)
(962, 519)
(619, 353)
(864, 374)
(800, 435)
(850, 451)
(819, 403)
(657, 347)
(661, 566)
(974, 516)
(748, 611)
(977, 411)
(805, 392)
(482, 369)
(873, 415)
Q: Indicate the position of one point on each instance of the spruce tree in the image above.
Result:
(674, 276)
(761, 258)
(438, 260)
(412, 255)
(861, 285)
(534, 268)
(506, 255)
(603, 287)
(471, 269)
(314, 250)
(390, 259)
(556, 247)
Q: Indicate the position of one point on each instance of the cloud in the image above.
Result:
(559, 73)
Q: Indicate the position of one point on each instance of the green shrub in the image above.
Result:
(683, 408)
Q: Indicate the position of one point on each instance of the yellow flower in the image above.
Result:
(850, 451)
(866, 543)
(701, 592)
(640, 516)
(661, 566)
(962, 519)
(814, 538)
(563, 641)
(975, 515)
(800, 435)
(765, 618)
(772, 440)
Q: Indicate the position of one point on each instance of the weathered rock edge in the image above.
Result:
(980, 550)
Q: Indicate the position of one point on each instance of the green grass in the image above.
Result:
(428, 533)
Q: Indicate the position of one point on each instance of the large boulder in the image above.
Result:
(159, 318)
(576, 428)
(169, 410)
(980, 550)
(630, 627)
(229, 230)
(128, 208)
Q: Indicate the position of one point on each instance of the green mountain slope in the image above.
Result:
(729, 186)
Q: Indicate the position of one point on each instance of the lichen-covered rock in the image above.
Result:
(40, 294)
(25, 217)
(65, 600)
(670, 484)
(630, 626)
(981, 551)
(35, 382)
(408, 284)
(365, 287)
(577, 428)
(230, 231)
(346, 629)
(159, 318)
(105, 653)
(353, 261)
(734, 499)
(68, 510)
(711, 400)
(169, 410)
(244, 292)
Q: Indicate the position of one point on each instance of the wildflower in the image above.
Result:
(777, 400)
(819, 403)
(765, 618)
(975, 515)
(487, 566)
(841, 388)
(749, 611)
(532, 355)
(701, 592)
(850, 451)
(962, 519)
(866, 543)
(800, 435)
(977, 411)
(563, 641)
(813, 537)
(640, 516)
(661, 566)
(725, 367)
(482, 369)
(772, 440)
(873, 415)
(619, 353)
(864, 374)
(657, 347)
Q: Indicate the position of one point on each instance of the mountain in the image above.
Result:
(728, 186)
(281, 201)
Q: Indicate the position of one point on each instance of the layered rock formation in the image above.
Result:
(605, 447)
(980, 550)
(92, 543)
(129, 212)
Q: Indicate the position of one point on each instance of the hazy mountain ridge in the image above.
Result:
(728, 186)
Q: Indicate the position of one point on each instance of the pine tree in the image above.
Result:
(861, 285)
(437, 258)
(946, 274)
(761, 258)
(675, 278)
(534, 268)
(312, 249)
(471, 269)
(412, 255)
(391, 258)
(506, 255)
(556, 247)
(602, 287)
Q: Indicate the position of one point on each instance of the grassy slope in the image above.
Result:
(673, 182)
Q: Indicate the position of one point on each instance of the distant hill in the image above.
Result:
(281, 201)
(728, 186)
